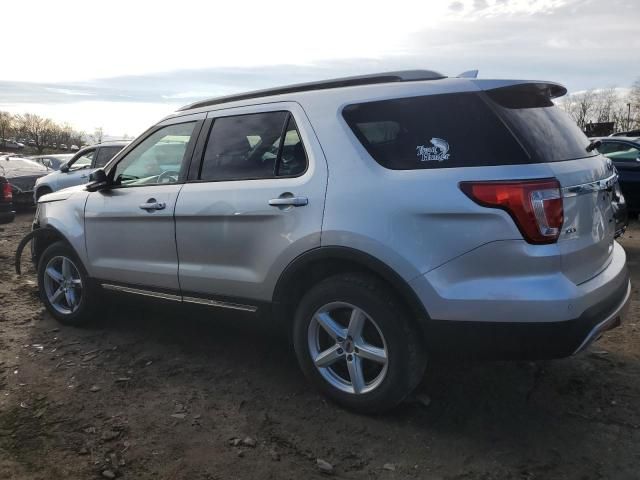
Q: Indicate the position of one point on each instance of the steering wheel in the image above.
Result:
(171, 175)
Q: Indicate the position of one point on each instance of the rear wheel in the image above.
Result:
(353, 340)
(64, 285)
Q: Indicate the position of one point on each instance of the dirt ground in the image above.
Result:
(154, 392)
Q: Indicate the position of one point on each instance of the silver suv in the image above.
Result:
(79, 167)
(382, 220)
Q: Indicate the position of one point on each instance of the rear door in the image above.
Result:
(550, 136)
(254, 202)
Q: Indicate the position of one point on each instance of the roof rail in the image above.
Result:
(386, 77)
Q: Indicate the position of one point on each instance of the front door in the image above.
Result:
(130, 231)
(255, 203)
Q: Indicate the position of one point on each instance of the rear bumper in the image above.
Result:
(480, 311)
(528, 340)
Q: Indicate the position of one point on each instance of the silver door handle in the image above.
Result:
(153, 206)
(286, 201)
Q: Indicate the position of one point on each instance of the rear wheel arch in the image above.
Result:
(315, 265)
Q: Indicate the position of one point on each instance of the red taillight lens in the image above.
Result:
(535, 205)
(7, 193)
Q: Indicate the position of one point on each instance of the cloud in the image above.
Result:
(581, 44)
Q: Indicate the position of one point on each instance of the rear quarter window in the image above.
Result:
(436, 131)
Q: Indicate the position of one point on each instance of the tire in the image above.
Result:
(75, 306)
(390, 371)
(42, 191)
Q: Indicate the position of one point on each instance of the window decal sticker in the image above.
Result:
(437, 152)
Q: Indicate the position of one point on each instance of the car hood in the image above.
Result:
(21, 168)
(61, 194)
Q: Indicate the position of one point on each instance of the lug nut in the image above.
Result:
(349, 357)
(340, 351)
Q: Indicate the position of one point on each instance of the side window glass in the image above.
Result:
(104, 155)
(243, 147)
(157, 159)
(293, 159)
(83, 162)
(619, 151)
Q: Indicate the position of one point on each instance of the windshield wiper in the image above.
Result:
(593, 145)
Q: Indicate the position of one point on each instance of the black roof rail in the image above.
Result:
(386, 77)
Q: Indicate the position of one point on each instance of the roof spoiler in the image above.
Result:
(468, 74)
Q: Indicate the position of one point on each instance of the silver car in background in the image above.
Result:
(380, 220)
(77, 169)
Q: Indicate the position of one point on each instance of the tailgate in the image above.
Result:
(586, 240)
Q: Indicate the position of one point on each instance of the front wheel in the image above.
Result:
(353, 340)
(64, 285)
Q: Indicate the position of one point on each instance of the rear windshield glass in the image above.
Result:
(548, 133)
(436, 131)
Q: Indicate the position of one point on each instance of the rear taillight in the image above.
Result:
(7, 193)
(535, 205)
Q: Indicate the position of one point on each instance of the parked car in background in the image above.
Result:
(381, 220)
(11, 144)
(624, 152)
(22, 174)
(63, 146)
(7, 213)
(628, 133)
(74, 148)
(53, 162)
(76, 171)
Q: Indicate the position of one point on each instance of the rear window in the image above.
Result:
(436, 131)
(548, 133)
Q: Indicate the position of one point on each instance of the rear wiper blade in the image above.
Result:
(593, 145)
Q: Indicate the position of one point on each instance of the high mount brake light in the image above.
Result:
(7, 193)
(535, 205)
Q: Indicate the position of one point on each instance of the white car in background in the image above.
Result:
(76, 171)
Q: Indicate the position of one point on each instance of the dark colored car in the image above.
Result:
(625, 154)
(21, 173)
(7, 213)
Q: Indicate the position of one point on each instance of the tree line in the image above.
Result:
(42, 132)
(605, 105)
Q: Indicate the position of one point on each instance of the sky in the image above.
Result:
(123, 65)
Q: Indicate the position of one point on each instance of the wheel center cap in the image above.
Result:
(348, 345)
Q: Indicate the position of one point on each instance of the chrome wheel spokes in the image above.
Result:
(348, 348)
(63, 284)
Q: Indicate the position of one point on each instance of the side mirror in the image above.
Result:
(98, 180)
(64, 168)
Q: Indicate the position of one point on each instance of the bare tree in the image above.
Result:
(633, 108)
(97, 135)
(604, 104)
(36, 128)
(580, 106)
(6, 125)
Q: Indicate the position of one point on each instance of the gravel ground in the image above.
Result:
(155, 392)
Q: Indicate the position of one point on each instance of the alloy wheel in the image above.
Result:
(348, 348)
(63, 285)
